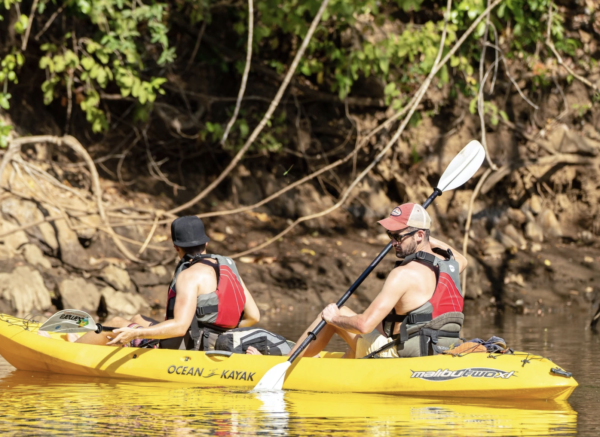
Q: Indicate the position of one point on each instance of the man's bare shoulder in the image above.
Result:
(404, 274)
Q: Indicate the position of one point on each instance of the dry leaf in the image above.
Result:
(267, 260)
(217, 236)
(263, 217)
(121, 263)
(159, 238)
(308, 251)
(588, 259)
(248, 259)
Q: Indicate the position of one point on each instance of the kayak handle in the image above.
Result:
(561, 372)
(221, 353)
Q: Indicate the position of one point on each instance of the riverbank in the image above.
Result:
(45, 268)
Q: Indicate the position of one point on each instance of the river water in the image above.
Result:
(48, 404)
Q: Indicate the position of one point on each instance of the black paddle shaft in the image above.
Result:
(312, 335)
(100, 328)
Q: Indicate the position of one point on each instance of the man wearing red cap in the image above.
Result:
(419, 310)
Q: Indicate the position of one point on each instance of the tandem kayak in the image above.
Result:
(475, 375)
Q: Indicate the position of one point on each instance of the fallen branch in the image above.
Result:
(468, 224)
(50, 21)
(197, 45)
(150, 234)
(559, 158)
(265, 118)
(69, 141)
(246, 72)
(550, 44)
(28, 30)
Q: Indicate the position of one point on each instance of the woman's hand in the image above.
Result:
(124, 337)
(330, 312)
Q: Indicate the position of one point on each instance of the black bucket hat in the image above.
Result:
(188, 231)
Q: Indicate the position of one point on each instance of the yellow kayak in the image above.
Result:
(475, 375)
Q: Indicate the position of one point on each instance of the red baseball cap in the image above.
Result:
(407, 215)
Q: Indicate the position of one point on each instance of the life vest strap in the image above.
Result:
(209, 309)
(410, 318)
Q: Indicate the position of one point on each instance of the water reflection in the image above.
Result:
(36, 403)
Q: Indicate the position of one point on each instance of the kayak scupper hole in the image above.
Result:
(134, 356)
(186, 359)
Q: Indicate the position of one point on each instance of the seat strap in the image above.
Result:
(426, 336)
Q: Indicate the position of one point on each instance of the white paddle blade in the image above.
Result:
(463, 166)
(66, 321)
(273, 379)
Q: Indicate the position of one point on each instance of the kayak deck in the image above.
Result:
(476, 375)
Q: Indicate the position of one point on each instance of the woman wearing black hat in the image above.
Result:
(206, 297)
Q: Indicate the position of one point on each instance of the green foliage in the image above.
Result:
(4, 131)
(490, 109)
(127, 47)
(123, 36)
(9, 66)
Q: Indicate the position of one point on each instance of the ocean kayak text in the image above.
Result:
(225, 374)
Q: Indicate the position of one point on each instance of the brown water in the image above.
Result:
(46, 404)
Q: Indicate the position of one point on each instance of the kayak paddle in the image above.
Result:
(460, 170)
(73, 321)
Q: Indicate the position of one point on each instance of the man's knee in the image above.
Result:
(118, 322)
(345, 311)
(137, 319)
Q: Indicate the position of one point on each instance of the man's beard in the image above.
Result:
(408, 250)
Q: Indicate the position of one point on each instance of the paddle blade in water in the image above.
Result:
(463, 166)
(69, 321)
(273, 379)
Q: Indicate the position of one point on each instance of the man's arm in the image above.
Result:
(396, 284)
(251, 311)
(460, 259)
(185, 307)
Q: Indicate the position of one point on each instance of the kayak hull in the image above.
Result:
(476, 375)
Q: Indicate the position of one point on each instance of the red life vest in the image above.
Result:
(446, 305)
(222, 308)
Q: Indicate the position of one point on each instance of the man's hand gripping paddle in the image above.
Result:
(66, 321)
(461, 169)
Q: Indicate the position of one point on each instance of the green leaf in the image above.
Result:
(473, 105)
(21, 24)
(102, 56)
(88, 63)
(46, 62)
(244, 129)
(384, 65)
(59, 63)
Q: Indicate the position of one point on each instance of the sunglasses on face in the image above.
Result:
(398, 238)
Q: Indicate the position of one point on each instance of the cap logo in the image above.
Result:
(396, 212)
